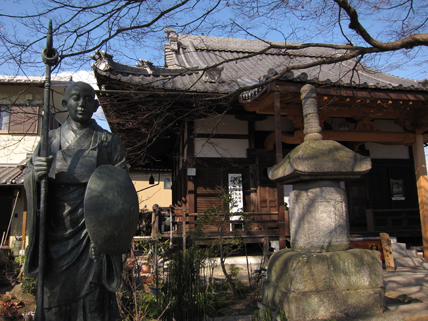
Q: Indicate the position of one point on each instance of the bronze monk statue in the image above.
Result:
(81, 274)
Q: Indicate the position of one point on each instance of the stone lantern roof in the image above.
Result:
(317, 159)
(320, 160)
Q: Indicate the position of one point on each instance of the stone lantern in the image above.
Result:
(320, 277)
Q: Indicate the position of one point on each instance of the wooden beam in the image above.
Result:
(282, 220)
(360, 93)
(422, 187)
(278, 127)
(348, 136)
(369, 136)
(345, 102)
(329, 109)
(287, 138)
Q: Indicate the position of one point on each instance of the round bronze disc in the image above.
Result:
(111, 209)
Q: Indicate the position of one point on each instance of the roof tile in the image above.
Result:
(241, 67)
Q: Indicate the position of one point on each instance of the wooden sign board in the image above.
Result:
(387, 252)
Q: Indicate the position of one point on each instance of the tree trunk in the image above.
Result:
(229, 279)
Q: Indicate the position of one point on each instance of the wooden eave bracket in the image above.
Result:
(406, 139)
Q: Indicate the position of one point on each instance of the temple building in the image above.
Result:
(222, 108)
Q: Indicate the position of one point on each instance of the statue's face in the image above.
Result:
(80, 103)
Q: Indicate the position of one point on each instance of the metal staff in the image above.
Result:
(50, 58)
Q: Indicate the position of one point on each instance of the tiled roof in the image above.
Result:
(187, 55)
(13, 174)
(32, 79)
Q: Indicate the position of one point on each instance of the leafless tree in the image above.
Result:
(382, 33)
(362, 27)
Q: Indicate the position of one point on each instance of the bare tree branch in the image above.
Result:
(124, 28)
(420, 39)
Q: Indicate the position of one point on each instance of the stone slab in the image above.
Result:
(325, 285)
(354, 269)
(318, 219)
(334, 304)
(408, 261)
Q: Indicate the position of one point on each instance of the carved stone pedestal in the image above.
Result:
(337, 284)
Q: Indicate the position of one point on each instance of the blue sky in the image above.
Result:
(153, 51)
(286, 26)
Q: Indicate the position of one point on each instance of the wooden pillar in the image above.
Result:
(422, 186)
(253, 167)
(24, 229)
(155, 221)
(184, 228)
(24, 223)
(266, 247)
(191, 194)
(191, 200)
(282, 219)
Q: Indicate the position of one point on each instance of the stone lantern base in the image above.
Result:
(337, 284)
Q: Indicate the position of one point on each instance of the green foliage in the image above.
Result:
(142, 245)
(240, 288)
(149, 306)
(220, 217)
(184, 286)
(29, 285)
(266, 314)
(233, 270)
(188, 291)
(141, 306)
(215, 305)
(149, 245)
(18, 259)
(259, 274)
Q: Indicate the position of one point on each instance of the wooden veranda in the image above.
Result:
(261, 228)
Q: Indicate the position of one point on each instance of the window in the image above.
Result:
(167, 183)
(4, 118)
(20, 119)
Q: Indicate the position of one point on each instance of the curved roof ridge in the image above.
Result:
(206, 43)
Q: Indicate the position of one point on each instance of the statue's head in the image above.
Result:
(80, 102)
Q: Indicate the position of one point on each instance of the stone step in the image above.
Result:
(399, 250)
(408, 261)
(412, 253)
(402, 278)
(416, 291)
(404, 257)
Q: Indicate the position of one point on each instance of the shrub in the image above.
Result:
(184, 287)
(29, 285)
(266, 314)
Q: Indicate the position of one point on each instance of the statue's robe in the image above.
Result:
(78, 285)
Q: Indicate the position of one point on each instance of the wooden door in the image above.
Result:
(267, 199)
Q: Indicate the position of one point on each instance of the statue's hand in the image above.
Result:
(42, 166)
(95, 253)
